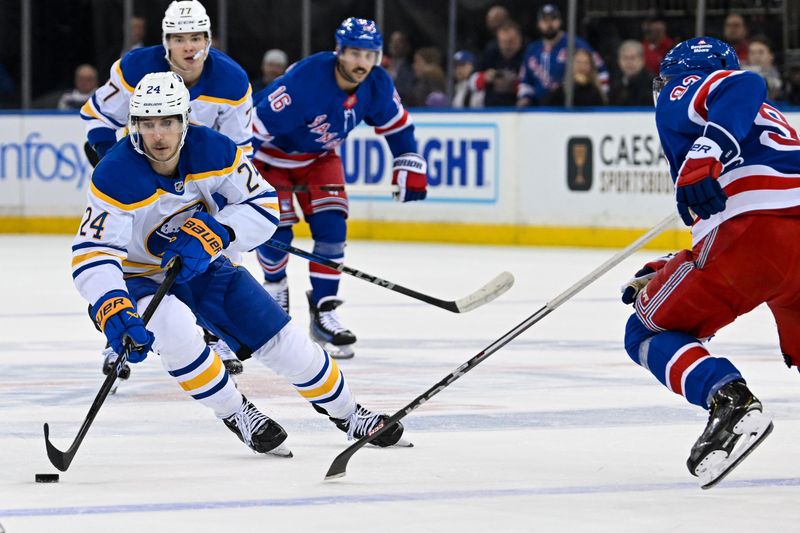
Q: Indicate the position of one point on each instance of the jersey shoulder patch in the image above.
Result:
(123, 177)
(206, 151)
(136, 63)
(226, 79)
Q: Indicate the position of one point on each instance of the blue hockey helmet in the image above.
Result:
(703, 54)
(359, 33)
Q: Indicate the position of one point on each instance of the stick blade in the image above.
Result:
(499, 285)
(59, 459)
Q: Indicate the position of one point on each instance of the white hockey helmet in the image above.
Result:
(185, 16)
(158, 94)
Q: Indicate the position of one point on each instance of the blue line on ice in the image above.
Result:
(335, 499)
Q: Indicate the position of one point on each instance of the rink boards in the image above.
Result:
(551, 178)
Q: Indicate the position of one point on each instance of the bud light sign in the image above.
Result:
(463, 160)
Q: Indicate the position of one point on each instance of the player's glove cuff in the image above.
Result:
(726, 144)
(109, 305)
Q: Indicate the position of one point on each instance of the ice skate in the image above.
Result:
(326, 329)
(229, 359)
(363, 422)
(279, 291)
(736, 425)
(109, 362)
(257, 430)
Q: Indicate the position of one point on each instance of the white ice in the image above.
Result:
(557, 431)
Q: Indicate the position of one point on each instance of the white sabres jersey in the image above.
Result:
(221, 99)
(133, 212)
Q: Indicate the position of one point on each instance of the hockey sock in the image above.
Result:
(273, 261)
(315, 374)
(329, 230)
(207, 381)
(679, 362)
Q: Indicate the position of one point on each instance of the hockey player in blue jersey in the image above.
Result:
(171, 189)
(301, 119)
(219, 89)
(735, 160)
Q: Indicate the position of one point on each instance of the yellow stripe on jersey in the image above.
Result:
(273, 205)
(225, 101)
(325, 388)
(140, 265)
(205, 377)
(118, 68)
(126, 207)
(85, 257)
(212, 173)
(88, 109)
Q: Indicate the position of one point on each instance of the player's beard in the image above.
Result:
(346, 75)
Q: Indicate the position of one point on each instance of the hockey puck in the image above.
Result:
(46, 478)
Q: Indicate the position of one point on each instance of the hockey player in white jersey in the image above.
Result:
(219, 90)
(174, 189)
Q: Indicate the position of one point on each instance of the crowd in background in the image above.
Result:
(512, 69)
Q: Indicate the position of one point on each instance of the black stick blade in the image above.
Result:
(338, 467)
(59, 459)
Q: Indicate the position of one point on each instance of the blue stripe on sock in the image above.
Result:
(191, 366)
(318, 376)
(213, 390)
(335, 394)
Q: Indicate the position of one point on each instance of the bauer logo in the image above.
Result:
(580, 170)
(462, 158)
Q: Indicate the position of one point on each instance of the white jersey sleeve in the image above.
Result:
(106, 110)
(100, 247)
(236, 122)
(251, 206)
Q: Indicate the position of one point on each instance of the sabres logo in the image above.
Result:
(168, 229)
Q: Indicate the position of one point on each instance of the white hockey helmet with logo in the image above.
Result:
(185, 16)
(158, 94)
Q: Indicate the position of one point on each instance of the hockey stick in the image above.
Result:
(339, 466)
(62, 460)
(500, 284)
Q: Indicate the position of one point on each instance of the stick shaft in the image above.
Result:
(339, 466)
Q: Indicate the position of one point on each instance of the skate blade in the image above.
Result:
(281, 451)
(754, 427)
(344, 351)
(402, 443)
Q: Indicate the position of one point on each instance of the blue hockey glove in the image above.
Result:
(198, 242)
(409, 172)
(115, 314)
(697, 188)
(101, 148)
(639, 281)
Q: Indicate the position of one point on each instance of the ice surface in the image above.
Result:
(558, 431)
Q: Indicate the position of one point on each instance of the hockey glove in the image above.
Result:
(199, 241)
(697, 187)
(639, 281)
(101, 148)
(409, 172)
(115, 314)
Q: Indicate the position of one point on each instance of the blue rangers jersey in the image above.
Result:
(544, 66)
(303, 114)
(221, 99)
(761, 150)
(133, 212)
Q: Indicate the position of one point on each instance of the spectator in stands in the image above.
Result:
(656, 42)
(761, 60)
(545, 60)
(138, 33)
(465, 95)
(273, 64)
(735, 32)
(85, 84)
(588, 89)
(428, 79)
(398, 64)
(496, 16)
(497, 72)
(633, 85)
